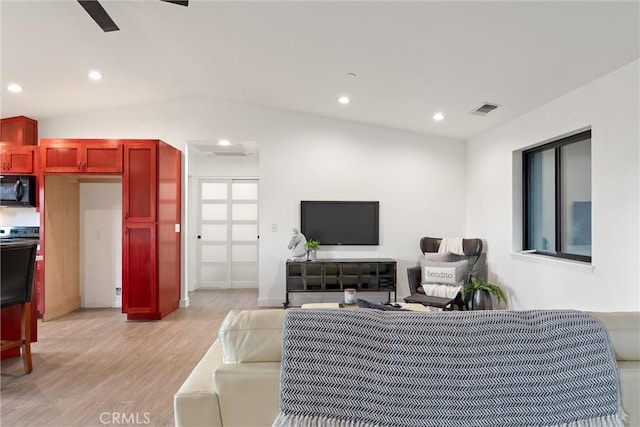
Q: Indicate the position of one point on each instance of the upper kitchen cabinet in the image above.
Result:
(17, 159)
(81, 156)
(140, 181)
(19, 130)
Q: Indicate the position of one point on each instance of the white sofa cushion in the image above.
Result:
(248, 393)
(624, 332)
(196, 402)
(252, 336)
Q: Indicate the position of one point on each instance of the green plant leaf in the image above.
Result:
(313, 244)
(481, 285)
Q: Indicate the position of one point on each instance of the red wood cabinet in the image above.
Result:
(81, 156)
(139, 269)
(140, 181)
(151, 241)
(19, 130)
(150, 226)
(17, 159)
(169, 217)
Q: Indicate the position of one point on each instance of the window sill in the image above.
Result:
(544, 259)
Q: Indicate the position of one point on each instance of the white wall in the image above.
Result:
(100, 244)
(419, 180)
(610, 105)
(421, 183)
(10, 217)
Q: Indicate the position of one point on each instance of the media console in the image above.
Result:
(336, 275)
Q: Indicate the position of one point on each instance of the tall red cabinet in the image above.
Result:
(151, 214)
(151, 220)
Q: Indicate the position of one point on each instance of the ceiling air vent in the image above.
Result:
(228, 150)
(213, 149)
(484, 109)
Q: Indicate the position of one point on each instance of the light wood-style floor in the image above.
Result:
(92, 365)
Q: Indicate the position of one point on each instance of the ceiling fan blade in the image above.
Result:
(97, 12)
(180, 2)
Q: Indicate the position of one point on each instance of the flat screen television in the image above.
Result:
(340, 222)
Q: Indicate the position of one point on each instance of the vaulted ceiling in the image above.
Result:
(411, 59)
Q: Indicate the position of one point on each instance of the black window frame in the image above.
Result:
(556, 146)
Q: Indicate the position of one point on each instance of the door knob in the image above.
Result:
(199, 236)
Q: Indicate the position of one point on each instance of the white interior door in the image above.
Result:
(227, 245)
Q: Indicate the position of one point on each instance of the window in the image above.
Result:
(557, 198)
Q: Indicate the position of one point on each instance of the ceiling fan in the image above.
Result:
(102, 18)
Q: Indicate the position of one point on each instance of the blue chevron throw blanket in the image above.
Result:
(364, 368)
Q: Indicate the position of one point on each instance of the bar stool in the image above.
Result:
(17, 264)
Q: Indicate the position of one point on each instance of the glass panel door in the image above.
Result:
(244, 233)
(228, 238)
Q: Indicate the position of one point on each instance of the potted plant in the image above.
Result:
(312, 246)
(477, 294)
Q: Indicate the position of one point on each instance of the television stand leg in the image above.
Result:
(286, 300)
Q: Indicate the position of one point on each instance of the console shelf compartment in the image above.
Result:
(336, 275)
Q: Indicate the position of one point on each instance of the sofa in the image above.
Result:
(236, 383)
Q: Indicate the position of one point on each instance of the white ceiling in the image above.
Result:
(411, 58)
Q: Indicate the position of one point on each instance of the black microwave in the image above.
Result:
(18, 190)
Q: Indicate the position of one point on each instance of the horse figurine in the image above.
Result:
(297, 244)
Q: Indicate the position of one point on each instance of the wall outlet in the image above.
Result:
(177, 228)
(118, 292)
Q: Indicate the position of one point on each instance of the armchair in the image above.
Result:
(472, 249)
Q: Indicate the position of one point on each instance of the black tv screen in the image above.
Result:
(340, 223)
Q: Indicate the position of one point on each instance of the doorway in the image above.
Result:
(227, 240)
(100, 243)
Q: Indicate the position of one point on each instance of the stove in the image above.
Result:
(8, 234)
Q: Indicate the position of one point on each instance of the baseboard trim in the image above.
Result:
(184, 302)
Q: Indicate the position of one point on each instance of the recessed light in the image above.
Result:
(224, 142)
(344, 100)
(14, 88)
(438, 116)
(95, 75)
